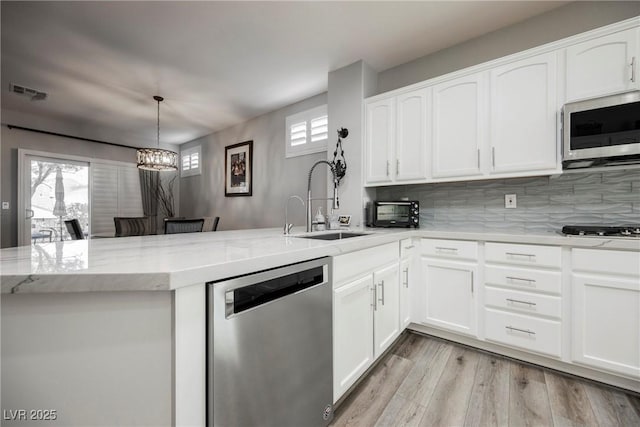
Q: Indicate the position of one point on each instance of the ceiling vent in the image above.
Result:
(33, 94)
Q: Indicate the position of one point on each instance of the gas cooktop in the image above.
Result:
(629, 231)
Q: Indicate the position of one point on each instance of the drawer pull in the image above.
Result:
(520, 279)
(531, 257)
(526, 331)
(409, 247)
(447, 250)
(521, 302)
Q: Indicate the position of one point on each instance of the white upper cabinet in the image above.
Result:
(602, 66)
(380, 136)
(459, 114)
(524, 107)
(396, 138)
(411, 136)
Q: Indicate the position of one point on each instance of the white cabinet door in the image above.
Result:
(459, 115)
(386, 319)
(602, 66)
(523, 103)
(411, 136)
(606, 323)
(380, 138)
(450, 295)
(405, 283)
(352, 333)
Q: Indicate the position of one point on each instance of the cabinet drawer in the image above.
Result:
(530, 333)
(361, 262)
(458, 249)
(524, 302)
(509, 253)
(407, 248)
(602, 261)
(525, 279)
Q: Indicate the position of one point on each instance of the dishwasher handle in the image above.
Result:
(256, 294)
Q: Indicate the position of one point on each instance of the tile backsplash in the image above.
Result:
(544, 204)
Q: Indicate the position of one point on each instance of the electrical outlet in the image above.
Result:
(5, 206)
(510, 201)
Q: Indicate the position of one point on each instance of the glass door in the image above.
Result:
(53, 190)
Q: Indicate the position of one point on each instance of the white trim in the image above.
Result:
(308, 147)
(545, 48)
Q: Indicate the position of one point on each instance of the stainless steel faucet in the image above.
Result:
(287, 226)
(336, 202)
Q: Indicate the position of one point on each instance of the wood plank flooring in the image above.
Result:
(424, 381)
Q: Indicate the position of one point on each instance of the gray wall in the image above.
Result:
(275, 177)
(568, 20)
(348, 87)
(544, 204)
(13, 139)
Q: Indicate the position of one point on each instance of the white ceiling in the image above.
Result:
(216, 63)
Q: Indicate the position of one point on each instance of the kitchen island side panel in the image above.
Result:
(95, 358)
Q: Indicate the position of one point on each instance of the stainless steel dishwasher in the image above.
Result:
(269, 359)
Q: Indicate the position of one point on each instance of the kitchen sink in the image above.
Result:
(334, 236)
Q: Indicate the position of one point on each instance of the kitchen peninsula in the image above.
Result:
(112, 331)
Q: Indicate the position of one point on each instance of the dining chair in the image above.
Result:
(173, 226)
(74, 229)
(133, 226)
(210, 223)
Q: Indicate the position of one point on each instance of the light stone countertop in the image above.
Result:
(167, 262)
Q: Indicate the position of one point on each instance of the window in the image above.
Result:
(307, 132)
(190, 161)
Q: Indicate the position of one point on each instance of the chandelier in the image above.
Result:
(157, 159)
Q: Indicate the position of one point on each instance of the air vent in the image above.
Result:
(33, 94)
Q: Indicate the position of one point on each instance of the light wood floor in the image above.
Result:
(428, 382)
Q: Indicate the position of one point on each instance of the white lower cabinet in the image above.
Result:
(448, 273)
(606, 311)
(386, 308)
(366, 311)
(407, 280)
(352, 333)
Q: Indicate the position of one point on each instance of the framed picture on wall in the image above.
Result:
(238, 169)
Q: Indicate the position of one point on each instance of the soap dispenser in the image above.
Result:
(319, 220)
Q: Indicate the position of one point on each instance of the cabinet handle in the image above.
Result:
(521, 302)
(493, 157)
(406, 277)
(409, 247)
(520, 279)
(526, 331)
(471, 281)
(382, 288)
(375, 298)
(448, 250)
(387, 167)
(531, 257)
(633, 69)
(397, 166)
(478, 159)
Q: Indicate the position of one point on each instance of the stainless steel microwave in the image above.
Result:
(602, 131)
(393, 214)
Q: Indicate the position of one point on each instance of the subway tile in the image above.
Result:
(620, 197)
(528, 182)
(551, 189)
(491, 192)
(572, 199)
(621, 219)
(621, 176)
(604, 208)
(577, 178)
(621, 187)
(551, 208)
(580, 219)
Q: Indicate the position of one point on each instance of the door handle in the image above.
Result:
(30, 213)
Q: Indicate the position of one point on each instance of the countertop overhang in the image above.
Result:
(168, 262)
